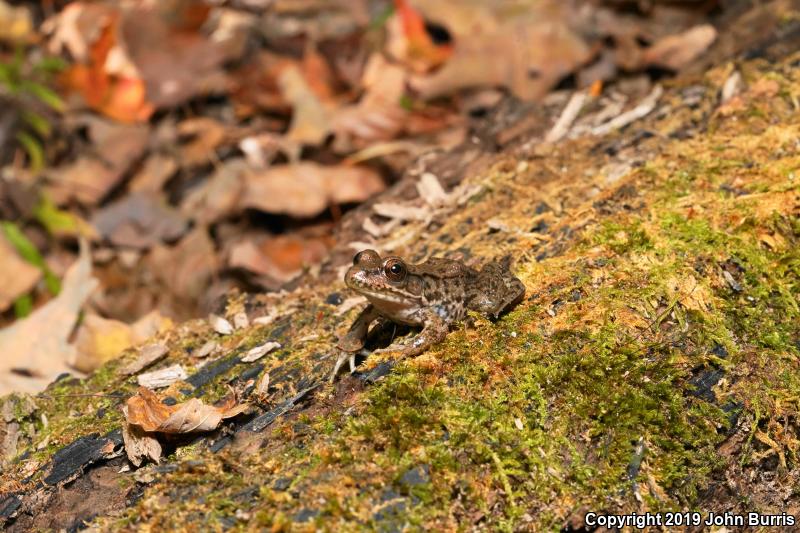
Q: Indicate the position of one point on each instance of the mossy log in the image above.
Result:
(652, 366)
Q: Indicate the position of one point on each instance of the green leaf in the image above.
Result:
(37, 122)
(50, 65)
(5, 76)
(406, 102)
(23, 306)
(43, 94)
(26, 249)
(379, 21)
(52, 282)
(56, 221)
(33, 148)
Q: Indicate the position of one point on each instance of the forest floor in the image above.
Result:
(654, 364)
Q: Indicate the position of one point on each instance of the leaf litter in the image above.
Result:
(213, 147)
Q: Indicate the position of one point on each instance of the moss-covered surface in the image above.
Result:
(652, 366)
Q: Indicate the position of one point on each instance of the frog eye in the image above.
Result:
(395, 269)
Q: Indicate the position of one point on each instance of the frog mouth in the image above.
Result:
(386, 295)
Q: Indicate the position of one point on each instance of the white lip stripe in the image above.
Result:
(387, 296)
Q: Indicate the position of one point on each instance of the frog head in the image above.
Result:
(386, 283)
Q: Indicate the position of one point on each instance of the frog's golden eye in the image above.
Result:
(395, 269)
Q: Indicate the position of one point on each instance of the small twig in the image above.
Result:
(643, 109)
(568, 116)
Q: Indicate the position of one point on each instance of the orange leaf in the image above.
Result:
(123, 99)
(421, 51)
(146, 411)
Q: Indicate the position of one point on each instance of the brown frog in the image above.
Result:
(434, 294)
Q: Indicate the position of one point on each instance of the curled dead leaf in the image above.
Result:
(146, 411)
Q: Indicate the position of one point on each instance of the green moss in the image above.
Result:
(622, 236)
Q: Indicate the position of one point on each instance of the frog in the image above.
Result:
(434, 295)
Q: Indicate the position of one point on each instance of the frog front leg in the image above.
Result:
(434, 330)
(352, 341)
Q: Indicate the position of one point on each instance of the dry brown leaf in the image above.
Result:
(99, 339)
(154, 174)
(146, 411)
(139, 220)
(281, 258)
(203, 135)
(306, 189)
(17, 276)
(93, 175)
(529, 58)
(310, 118)
(175, 65)
(255, 86)
(379, 115)
(233, 31)
(676, 51)
(219, 195)
(43, 357)
(187, 268)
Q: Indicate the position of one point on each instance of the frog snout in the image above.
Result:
(356, 278)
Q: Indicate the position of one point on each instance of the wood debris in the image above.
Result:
(163, 377)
